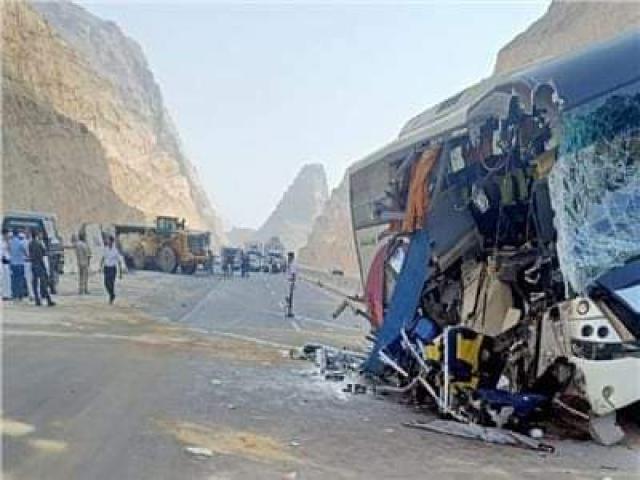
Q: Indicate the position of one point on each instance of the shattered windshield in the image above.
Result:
(595, 187)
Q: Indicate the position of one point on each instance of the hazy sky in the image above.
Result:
(258, 89)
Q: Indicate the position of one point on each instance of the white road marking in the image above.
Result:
(140, 339)
(45, 333)
(247, 338)
(324, 323)
(328, 324)
(33, 321)
(197, 306)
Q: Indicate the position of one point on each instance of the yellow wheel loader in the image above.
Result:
(166, 247)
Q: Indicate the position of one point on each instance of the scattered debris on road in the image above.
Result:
(198, 451)
(47, 445)
(488, 434)
(14, 428)
(223, 440)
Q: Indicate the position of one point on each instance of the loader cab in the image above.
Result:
(199, 243)
(169, 225)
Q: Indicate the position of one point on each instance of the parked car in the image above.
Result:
(45, 223)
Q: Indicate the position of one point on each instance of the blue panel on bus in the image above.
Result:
(405, 298)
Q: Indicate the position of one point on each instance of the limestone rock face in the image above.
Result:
(566, 27)
(330, 244)
(85, 132)
(294, 215)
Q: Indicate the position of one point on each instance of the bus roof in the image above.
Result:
(577, 78)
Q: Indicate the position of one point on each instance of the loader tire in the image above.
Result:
(167, 260)
(138, 259)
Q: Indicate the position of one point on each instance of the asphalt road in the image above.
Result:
(254, 308)
(98, 392)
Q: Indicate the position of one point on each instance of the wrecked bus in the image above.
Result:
(498, 239)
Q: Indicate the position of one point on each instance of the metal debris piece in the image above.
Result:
(328, 358)
(605, 430)
(488, 434)
(536, 433)
(297, 354)
(198, 451)
(335, 376)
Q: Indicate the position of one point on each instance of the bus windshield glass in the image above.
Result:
(595, 186)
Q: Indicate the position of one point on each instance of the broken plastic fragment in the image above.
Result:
(199, 451)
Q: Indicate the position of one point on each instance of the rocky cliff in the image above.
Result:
(566, 27)
(294, 215)
(330, 244)
(85, 132)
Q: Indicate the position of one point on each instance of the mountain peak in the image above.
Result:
(299, 206)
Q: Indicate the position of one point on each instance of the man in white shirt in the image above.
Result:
(17, 257)
(28, 273)
(6, 262)
(111, 265)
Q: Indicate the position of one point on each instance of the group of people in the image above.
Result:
(25, 268)
(229, 262)
(26, 272)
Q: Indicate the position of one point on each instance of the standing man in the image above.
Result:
(244, 266)
(28, 274)
(17, 256)
(292, 271)
(39, 276)
(83, 257)
(111, 265)
(6, 262)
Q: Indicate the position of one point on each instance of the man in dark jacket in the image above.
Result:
(292, 273)
(37, 252)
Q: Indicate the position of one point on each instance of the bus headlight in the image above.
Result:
(583, 307)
